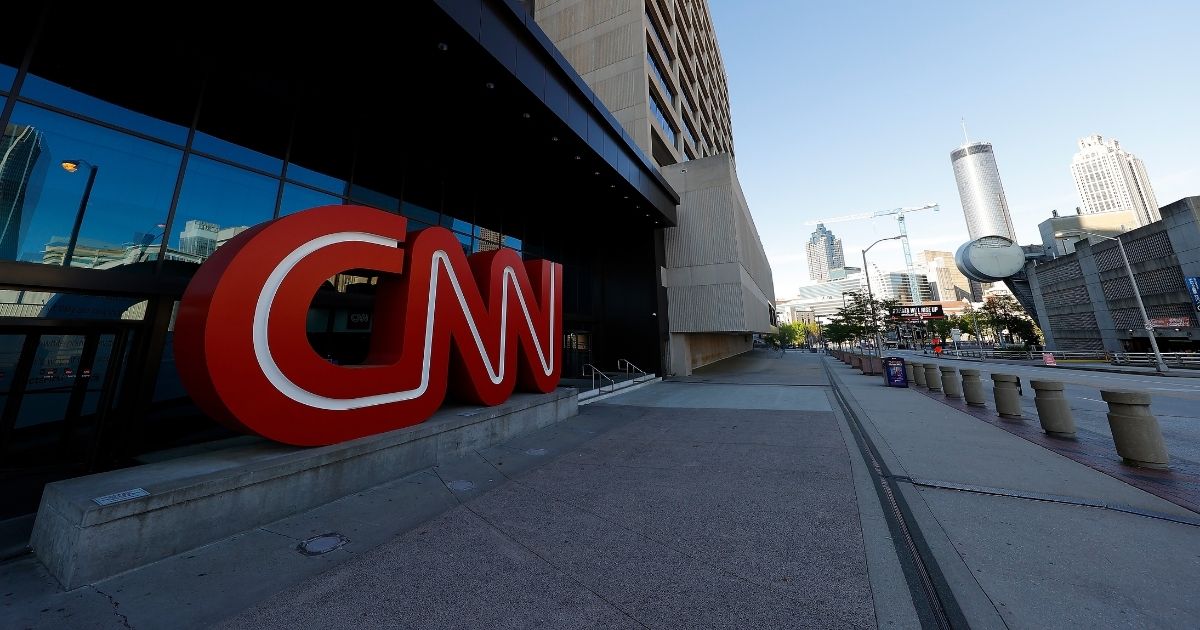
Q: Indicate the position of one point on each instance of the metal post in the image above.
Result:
(87, 192)
(870, 296)
(1162, 365)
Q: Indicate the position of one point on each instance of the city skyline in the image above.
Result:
(890, 110)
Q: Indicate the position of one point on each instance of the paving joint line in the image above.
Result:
(1046, 498)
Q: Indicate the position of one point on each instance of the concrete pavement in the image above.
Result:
(757, 493)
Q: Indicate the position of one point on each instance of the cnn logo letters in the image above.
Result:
(479, 326)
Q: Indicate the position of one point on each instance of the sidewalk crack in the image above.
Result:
(116, 607)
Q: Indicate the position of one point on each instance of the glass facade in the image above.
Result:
(984, 205)
(94, 255)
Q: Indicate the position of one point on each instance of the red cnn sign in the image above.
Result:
(478, 326)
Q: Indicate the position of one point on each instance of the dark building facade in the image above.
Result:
(1084, 300)
(198, 128)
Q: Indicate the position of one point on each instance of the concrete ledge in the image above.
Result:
(203, 498)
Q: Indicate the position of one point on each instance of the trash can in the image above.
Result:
(893, 372)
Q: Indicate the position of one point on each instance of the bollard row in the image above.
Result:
(1136, 433)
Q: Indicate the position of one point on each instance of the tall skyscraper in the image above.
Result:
(945, 280)
(824, 253)
(981, 192)
(20, 147)
(1110, 178)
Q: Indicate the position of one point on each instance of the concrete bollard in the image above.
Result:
(1135, 430)
(972, 387)
(1054, 411)
(933, 376)
(908, 371)
(950, 383)
(1008, 399)
(919, 372)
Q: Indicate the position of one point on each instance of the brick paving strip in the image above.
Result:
(1179, 485)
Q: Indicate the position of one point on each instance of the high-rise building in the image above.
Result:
(199, 238)
(656, 66)
(946, 282)
(1110, 178)
(20, 147)
(897, 285)
(984, 205)
(658, 69)
(824, 254)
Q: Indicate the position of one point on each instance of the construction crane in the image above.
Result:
(913, 287)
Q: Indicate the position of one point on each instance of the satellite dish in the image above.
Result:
(990, 259)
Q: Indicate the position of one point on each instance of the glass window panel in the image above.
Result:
(420, 213)
(369, 197)
(39, 200)
(297, 198)
(48, 389)
(211, 145)
(313, 178)
(39, 89)
(465, 241)
(217, 202)
(10, 354)
(7, 75)
(458, 225)
(512, 242)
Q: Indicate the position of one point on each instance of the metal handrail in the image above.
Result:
(627, 367)
(1180, 359)
(596, 371)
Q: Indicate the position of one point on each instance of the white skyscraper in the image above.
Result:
(1110, 178)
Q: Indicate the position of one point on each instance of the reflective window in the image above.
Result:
(512, 242)
(39, 199)
(312, 178)
(39, 89)
(211, 145)
(297, 198)
(217, 202)
(656, 108)
(368, 197)
(465, 241)
(419, 213)
(458, 225)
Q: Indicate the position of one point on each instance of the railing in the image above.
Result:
(625, 366)
(1172, 359)
(593, 371)
(1028, 355)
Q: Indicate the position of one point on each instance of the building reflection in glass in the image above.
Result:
(20, 148)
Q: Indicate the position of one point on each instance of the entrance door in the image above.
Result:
(577, 352)
(58, 387)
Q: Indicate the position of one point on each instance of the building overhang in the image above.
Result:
(441, 101)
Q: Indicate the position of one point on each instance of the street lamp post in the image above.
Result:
(871, 296)
(1137, 294)
(72, 166)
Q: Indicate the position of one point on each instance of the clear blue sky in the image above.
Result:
(841, 108)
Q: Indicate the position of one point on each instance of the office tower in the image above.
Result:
(1110, 178)
(984, 205)
(946, 281)
(824, 254)
(199, 238)
(20, 148)
(656, 66)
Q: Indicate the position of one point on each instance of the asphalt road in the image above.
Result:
(1173, 398)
